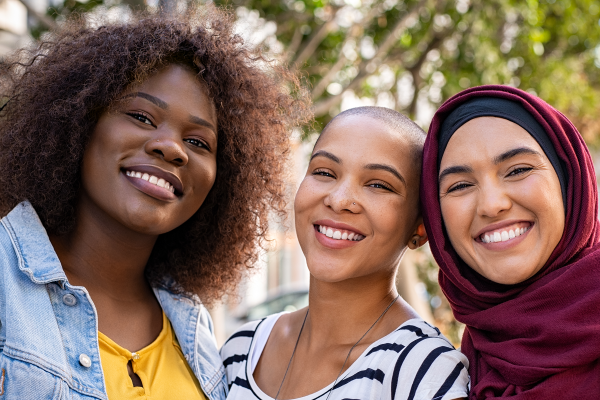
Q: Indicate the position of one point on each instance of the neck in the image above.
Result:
(103, 256)
(354, 304)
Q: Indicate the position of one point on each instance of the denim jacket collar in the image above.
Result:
(37, 256)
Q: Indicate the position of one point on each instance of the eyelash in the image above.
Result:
(521, 170)
(383, 186)
(200, 143)
(459, 186)
(141, 117)
(322, 172)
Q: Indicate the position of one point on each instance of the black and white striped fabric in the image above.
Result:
(413, 362)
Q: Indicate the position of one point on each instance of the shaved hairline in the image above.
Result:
(394, 120)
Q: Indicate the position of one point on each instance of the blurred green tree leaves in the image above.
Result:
(412, 55)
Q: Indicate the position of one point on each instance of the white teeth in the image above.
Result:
(503, 236)
(339, 235)
(152, 179)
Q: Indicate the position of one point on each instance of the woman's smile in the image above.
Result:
(154, 181)
(503, 235)
(336, 235)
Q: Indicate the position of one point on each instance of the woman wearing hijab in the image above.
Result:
(511, 209)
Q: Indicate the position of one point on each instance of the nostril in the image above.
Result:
(158, 152)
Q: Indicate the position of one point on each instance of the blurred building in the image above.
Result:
(13, 26)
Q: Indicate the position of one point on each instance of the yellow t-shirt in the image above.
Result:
(161, 366)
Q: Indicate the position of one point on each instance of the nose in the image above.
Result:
(167, 144)
(342, 197)
(493, 200)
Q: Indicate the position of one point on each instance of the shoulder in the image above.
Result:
(427, 366)
(243, 336)
(234, 353)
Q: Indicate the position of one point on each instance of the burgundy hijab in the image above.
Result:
(539, 339)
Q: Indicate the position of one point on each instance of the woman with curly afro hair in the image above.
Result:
(139, 163)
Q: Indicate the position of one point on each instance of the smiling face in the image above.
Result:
(150, 163)
(357, 207)
(501, 200)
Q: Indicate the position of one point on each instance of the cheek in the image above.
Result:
(305, 201)
(391, 221)
(544, 198)
(457, 214)
(203, 177)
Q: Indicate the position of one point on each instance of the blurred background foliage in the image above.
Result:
(411, 55)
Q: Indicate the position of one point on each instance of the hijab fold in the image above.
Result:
(539, 339)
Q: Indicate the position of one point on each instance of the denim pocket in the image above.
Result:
(24, 381)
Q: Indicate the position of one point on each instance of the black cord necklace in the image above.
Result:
(347, 357)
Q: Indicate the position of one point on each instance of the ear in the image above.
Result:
(419, 237)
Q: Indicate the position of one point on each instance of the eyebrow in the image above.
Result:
(165, 106)
(155, 100)
(387, 168)
(456, 169)
(323, 153)
(513, 153)
(202, 122)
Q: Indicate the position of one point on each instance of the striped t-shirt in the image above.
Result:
(413, 362)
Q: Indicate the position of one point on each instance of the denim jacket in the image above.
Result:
(49, 328)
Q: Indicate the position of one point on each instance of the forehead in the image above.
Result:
(363, 139)
(485, 137)
(179, 84)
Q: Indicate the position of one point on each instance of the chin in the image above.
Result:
(329, 274)
(507, 276)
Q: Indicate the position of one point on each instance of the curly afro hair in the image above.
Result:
(58, 89)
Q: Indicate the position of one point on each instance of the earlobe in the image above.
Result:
(419, 238)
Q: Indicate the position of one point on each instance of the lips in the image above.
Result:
(336, 235)
(504, 235)
(339, 234)
(154, 181)
(168, 177)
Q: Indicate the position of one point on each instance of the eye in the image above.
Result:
(196, 143)
(143, 118)
(381, 185)
(323, 172)
(459, 186)
(519, 171)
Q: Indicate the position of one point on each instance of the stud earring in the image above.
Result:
(414, 242)
(354, 203)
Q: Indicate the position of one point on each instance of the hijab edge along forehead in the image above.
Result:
(518, 336)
